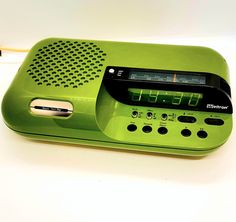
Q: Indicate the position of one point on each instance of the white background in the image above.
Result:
(25, 22)
(47, 182)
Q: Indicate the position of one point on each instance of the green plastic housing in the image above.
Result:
(72, 70)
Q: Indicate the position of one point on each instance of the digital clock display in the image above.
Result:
(165, 97)
(167, 77)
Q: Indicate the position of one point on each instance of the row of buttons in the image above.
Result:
(149, 115)
(163, 130)
(201, 133)
(147, 129)
(184, 119)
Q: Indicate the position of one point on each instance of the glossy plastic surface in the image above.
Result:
(72, 70)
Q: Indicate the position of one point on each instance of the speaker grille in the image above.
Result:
(67, 64)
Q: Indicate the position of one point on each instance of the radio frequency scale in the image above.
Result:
(133, 96)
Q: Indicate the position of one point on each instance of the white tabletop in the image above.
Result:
(46, 182)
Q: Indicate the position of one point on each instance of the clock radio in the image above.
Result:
(133, 96)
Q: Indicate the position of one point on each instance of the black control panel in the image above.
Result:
(169, 89)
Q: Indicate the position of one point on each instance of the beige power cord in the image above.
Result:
(10, 50)
(13, 49)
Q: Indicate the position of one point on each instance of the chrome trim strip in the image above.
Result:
(46, 107)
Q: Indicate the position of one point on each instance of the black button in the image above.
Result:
(186, 132)
(131, 127)
(162, 130)
(187, 119)
(202, 134)
(147, 129)
(214, 121)
(149, 115)
(134, 114)
(164, 116)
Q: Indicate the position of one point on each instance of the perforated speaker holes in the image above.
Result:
(67, 64)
